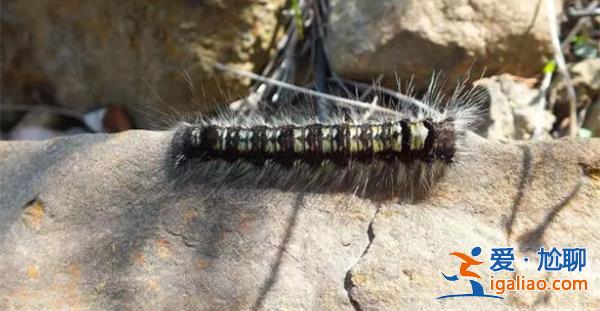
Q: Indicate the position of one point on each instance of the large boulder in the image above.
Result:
(414, 37)
(97, 222)
(135, 54)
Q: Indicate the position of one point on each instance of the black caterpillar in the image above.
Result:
(388, 153)
(340, 143)
(389, 157)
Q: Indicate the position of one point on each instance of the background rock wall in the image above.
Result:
(150, 64)
(414, 38)
(84, 54)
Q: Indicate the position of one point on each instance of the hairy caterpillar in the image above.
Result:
(388, 155)
(339, 143)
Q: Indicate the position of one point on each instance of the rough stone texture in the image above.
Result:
(512, 109)
(520, 196)
(94, 221)
(81, 54)
(414, 37)
(592, 120)
(586, 78)
(587, 73)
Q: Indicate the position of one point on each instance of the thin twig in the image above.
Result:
(591, 10)
(539, 118)
(370, 90)
(562, 67)
(369, 113)
(579, 25)
(299, 89)
(394, 94)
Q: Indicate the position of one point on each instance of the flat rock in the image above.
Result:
(96, 222)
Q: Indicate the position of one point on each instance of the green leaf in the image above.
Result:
(298, 17)
(578, 39)
(550, 67)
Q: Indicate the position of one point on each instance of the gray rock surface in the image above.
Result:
(135, 54)
(513, 110)
(587, 73)
(413, 37)
(592, 120)
(95, 222)
(586, 79)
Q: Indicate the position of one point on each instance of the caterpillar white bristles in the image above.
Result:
(398, 155)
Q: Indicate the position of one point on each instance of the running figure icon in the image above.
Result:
(468, 262)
